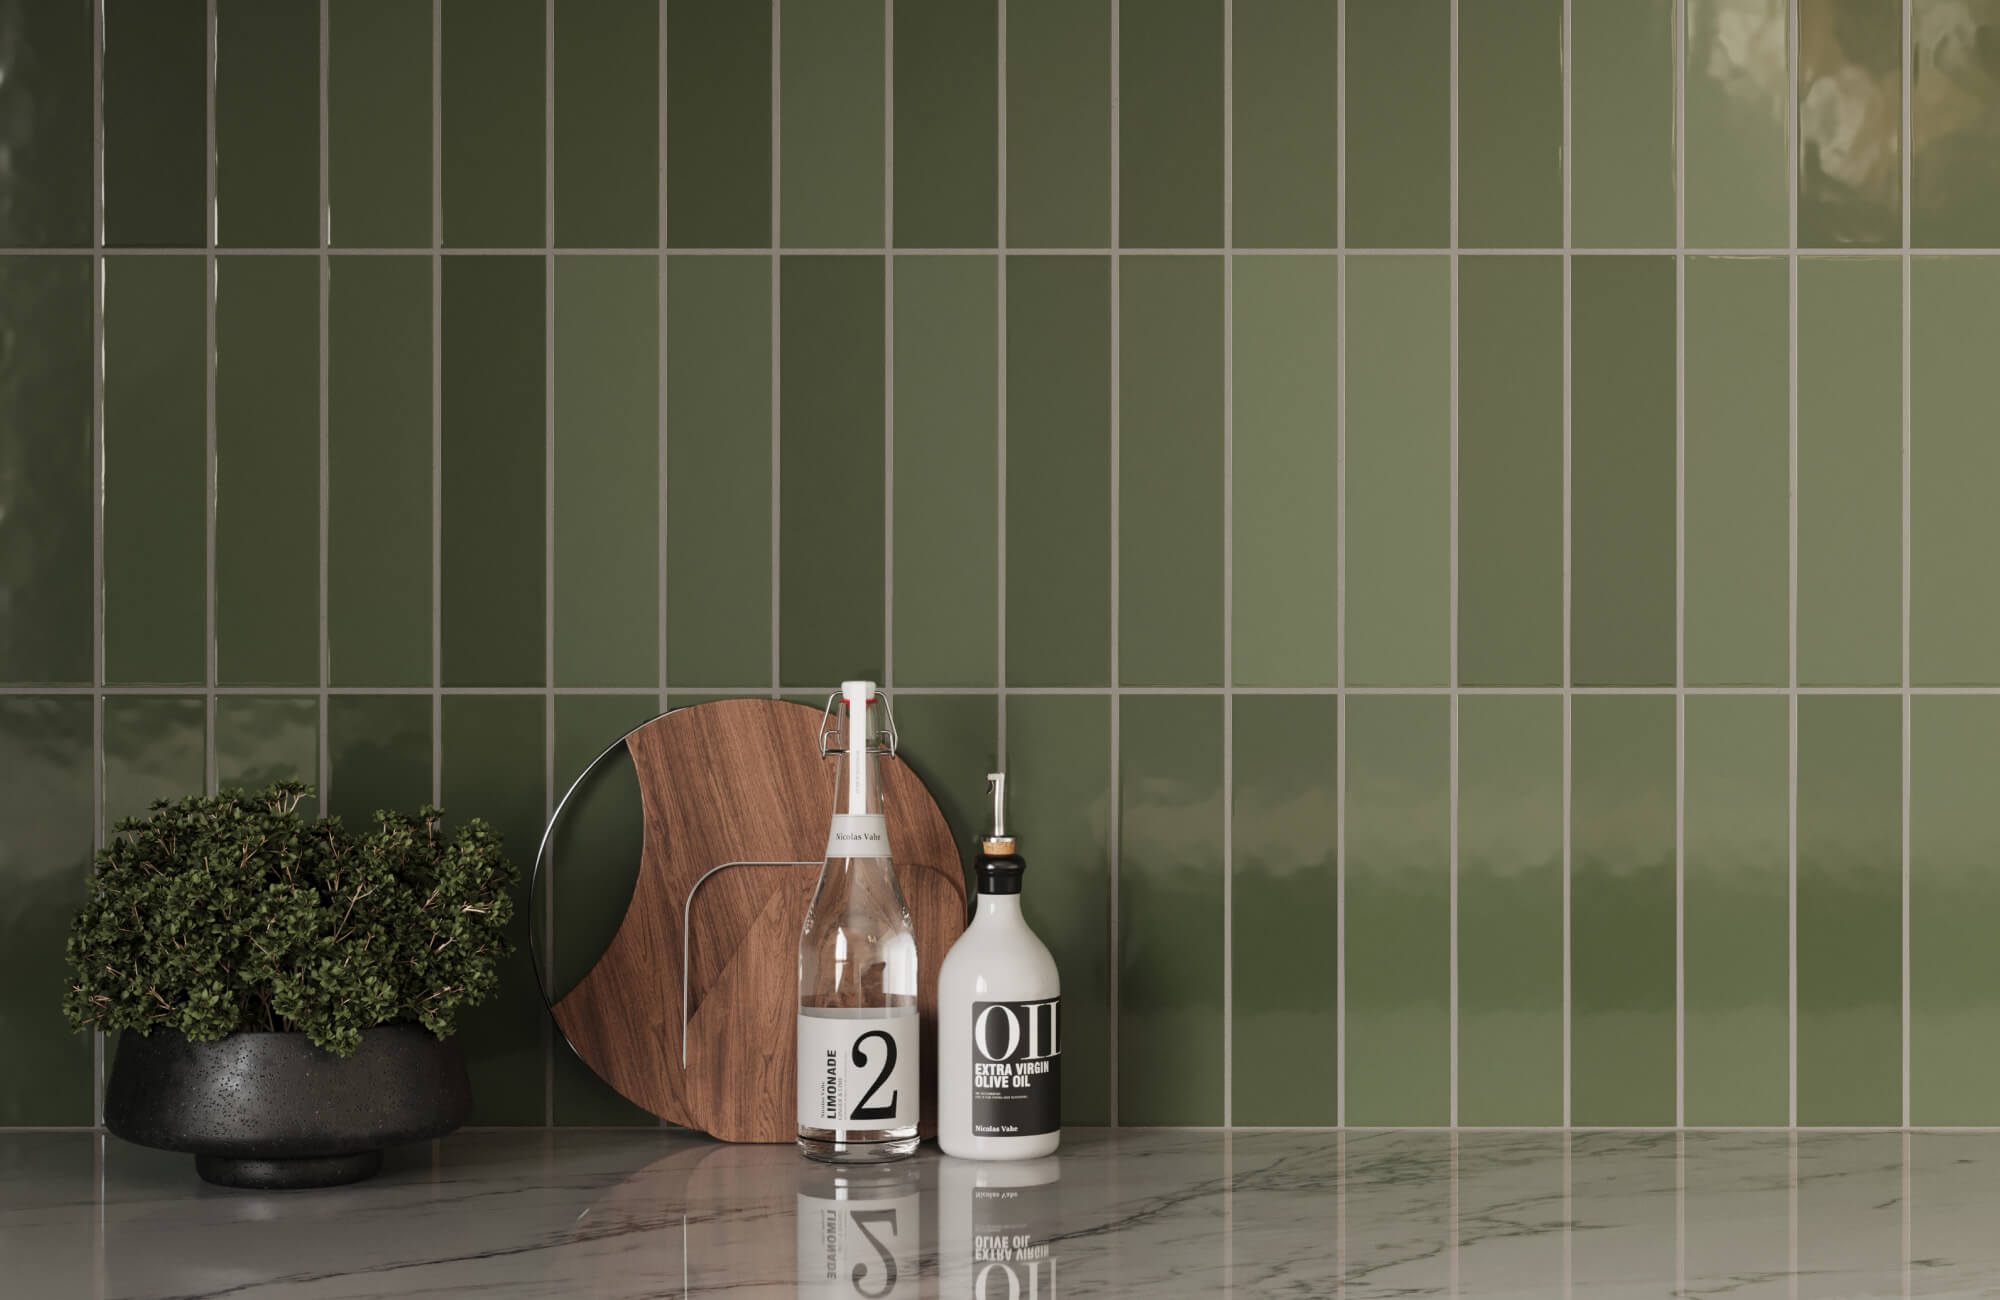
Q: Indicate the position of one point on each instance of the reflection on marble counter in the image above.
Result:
(1134, 1212)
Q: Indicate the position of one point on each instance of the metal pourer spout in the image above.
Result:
(996, 786)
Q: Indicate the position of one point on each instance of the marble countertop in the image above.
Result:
(507, 1214)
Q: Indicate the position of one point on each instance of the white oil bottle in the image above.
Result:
(999, 1019)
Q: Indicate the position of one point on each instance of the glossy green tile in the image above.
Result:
(1170, 468)
(1398, 124)
(718, 124)
(1059, 123)
(1058, 471)
(607, 128)
(493, 769)
(1738, 472)
(495, 444)
(155, 123)
(1398, 490)
(830, 135)
(267, 471)
(155, 470)
(1170, 885)
(1510, 471)
(947, 124)
(1622, 471)
(1285, 468)
(1738, 88)
(1736, 845)
(1954, 966)
(1955, 122)
(45, 431)
(1285, 891)
(267, 123)
(155, 747)
(264, 738)
(951, 742)
(607, 484)
(1510, 889)
(379, 124)
(718, 471)
(1622, 127)
(493, 71)
(1285, 149)
(830, 461)
(1170, 125)
(1850, 106)
(1622, 910)
(1850, 472)
(45, 748)
(378, 580)
(1510, 125)
(1850, 911)
(1954, 469)
(946, 464)
(378, 753)
(47, 102)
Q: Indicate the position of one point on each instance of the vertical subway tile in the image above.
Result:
(1622, 126)
(155, 123)
(947, 124)
(718, 471)
(718, 124)
(1736, 892)
(1510, 471)
(1954, 472)
(1058, 471)
(260, 739)
(267, 471)
(45, 198)
(1738, 70)
(607, 471)
(607, 124)
(830, 462)
(1170, 887)
(1510, 889)
(1850, 982)
(1286, 894)
(1397, 921)
(946, 463)
(1954, 966)
(1510, 125)
(494, 456)
(378, 756)
(155, 470)
(1170, 468)
(1285, 471)
(1738, 472)
(1170, 125)
(1850, 110)
(830, 130)
(1059, 123)
(493, 72)
(1622, 614)
(378, 582)
(1286, 149)
(1850, 472)
(46, 306)
(951, 742)
(1622, 910)
(379, 124)
(267, 123)
(1398, 490)
(155, 747)
(492, 769)
(45, 812)
(1398, 124)
(1955, 122)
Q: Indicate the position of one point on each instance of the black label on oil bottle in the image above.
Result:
(1016, 1068)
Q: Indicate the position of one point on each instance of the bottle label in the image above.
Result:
(858, 835)
(1016, 1068)
(859, 1069)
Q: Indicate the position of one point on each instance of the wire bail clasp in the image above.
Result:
(830, 738)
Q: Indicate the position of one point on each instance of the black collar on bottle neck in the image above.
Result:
(999, 873)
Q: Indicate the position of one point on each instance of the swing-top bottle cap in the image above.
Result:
(858, 695)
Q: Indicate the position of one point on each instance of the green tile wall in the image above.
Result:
(1470, 532)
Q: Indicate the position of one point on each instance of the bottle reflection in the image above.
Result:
(997, 1222)
(858, 1231)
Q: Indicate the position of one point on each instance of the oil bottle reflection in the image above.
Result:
(996, 1228)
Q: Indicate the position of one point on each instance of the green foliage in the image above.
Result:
(217, 915)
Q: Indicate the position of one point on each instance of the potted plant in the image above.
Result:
(287, 987)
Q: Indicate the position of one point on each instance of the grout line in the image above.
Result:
(325, 389)
(210, 651)
(777, 485)
(549, 510)
(1000, 427)
(437, 400)
(1568, 58)
(1908, 196)
(97, 287)
(1792, 599)
(660, 390)
(652, 688)
(1117, 812)
(889, 344)
(1451, 651)
(1229, 562)
(768, 251)
(1681, 20)
(1340, 593)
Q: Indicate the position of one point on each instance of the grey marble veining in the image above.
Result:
(531, 1214)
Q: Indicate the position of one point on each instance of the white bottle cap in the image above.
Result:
(857, 695)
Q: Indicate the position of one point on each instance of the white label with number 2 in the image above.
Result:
(858, 1068)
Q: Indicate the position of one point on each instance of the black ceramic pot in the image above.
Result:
(273, 1111)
